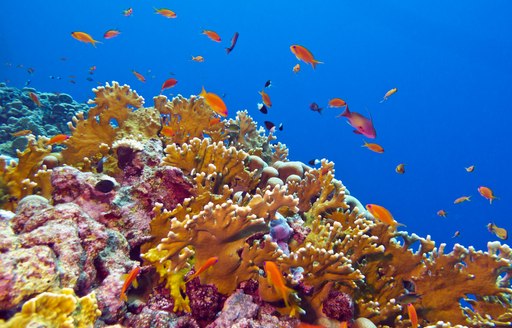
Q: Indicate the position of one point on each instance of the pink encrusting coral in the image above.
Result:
(126, 197)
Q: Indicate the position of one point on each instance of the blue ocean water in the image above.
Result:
(451, 62)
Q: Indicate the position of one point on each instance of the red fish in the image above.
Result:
(169, 83)
(233, 43)
(210, 262)
(111, 34)
(139, 76)
(361, 124)
(35, 99)
(57, 139)
(212, 35)
(129, 279)
(266, 98)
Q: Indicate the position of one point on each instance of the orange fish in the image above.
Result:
(499, 232)
(21, 133)
(470, 168)
(215, 102)
(275, 279)
(139, 76)
(57, 139)
(441, 213)
(307, 325)
(169, 83)
(456, 234)
(296, 68)
(128, 12)
(462, 199)
(35, 99)
(486, 193)
(265, 98)
(167, 131)
(84, 37)
(344, 324)
(130, 278)
(214, 121)
(388, 94)
(373, 147)
(111, 34)
(165, 12)
(212, 35)
(304, 54)
(400, 168)
(198, 59)
(382, 214)
(337, 102)
(210, 262)
(412, 315)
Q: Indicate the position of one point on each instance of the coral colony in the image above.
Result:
(214, 226)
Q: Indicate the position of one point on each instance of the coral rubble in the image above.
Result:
(200, 205)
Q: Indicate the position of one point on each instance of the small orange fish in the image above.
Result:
(169, 83)
(130, 278)
(212, 35)
(337, 102)
(21, 133)
(307, 325)
(210, 262)
(84, 37)
(382, 214)
(400, 168)
(214, 121)
(111, 34)
(470, 168)
(296, 68)
(166, 12)
(487, 193)
(441, 213)
(412, 315)
(139, 76)
(215, 102)
(462, 199)
(167, 131)
(265, 98)
(57, 139)
(304, 54)
(373, 147)
(35, 99)
(198, 59)
(128, 12)
(388, 94)
(275, 279)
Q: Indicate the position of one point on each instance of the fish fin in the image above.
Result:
(357, 132)
(203, 92)
(135, 283)
(315, 62)
(124, 276)
(123, 297)
(228, 50)
(346, 112)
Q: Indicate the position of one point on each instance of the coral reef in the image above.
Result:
(200, 204)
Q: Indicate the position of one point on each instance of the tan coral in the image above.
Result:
(63, 310)
(190, 118)
(20, 178)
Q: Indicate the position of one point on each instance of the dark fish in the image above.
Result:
(262, 108)
(99, 165)
(30, 70)
(269, 125)
(409, 286)
(89, 79)
(72, 81)
(233, 43)
(233, 128)
(315, 108)
(314, 162)
(281, 127)
(63, 58)
(456, 234)
(27, 83)
(408, 298)
(268, 84)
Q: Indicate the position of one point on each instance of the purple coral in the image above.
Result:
(205, 301)
(338, 306)
(280, 232)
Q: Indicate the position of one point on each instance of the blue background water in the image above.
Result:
(451, 62)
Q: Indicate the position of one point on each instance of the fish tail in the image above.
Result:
(123, 297)
(228, 50)
(315, 62)
(346, 112)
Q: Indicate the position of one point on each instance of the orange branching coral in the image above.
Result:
(112, 104)
(20, 179)
(200, 156)
(190, 118)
